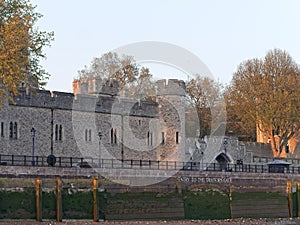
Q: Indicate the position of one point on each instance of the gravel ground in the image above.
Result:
(182, 222)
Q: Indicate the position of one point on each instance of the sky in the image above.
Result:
(221, 33)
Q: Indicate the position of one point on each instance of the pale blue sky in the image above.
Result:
(221, 33)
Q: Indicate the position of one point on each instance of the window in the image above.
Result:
(162, 138)
(2, 129)
(58, 133)
(11, 130)
(88, 135)
(113, 136)
(149, 138)
(177, 137)
(15, 134)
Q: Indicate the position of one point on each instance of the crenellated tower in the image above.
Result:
(171, 131)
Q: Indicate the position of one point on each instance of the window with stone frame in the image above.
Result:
(113, 136)
(2, 129)
(149, 138)
(58, 132)
(13, 130)
(15, 133)
(162, 138)
(177, 137)
(88, 135)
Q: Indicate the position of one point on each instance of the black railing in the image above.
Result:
(263, 159)
(25, 160)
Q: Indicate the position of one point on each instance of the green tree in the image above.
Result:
(21, 48)
(204, 94)
(265, 93)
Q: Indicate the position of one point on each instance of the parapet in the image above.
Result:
(171, 87)
(85, 102)
(95, 86)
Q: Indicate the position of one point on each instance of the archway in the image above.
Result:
(223, 159)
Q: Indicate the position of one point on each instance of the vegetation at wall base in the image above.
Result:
(205, 205)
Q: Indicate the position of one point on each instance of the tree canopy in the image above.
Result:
(265, 92)
(134, 81)
(21, 48)
(203, 93)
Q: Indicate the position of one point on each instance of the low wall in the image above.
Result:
(183, 195)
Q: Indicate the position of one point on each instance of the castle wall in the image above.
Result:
(25, 118)
(68, 125)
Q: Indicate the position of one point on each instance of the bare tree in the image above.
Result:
(135, 81)
(203, 93)
(265, 92)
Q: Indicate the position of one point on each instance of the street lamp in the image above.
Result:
(202, 147)
(100, 136)
(225, 143)
(33, 137)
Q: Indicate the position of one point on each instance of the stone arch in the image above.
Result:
(223, 159)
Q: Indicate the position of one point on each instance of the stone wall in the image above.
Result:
(68, 124)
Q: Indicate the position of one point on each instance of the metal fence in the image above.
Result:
(263, 159)
(25, 160)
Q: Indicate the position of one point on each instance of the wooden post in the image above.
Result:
(230, 201)
(38, 199)
(290, 199)
(298, 198)
(58, 200)
(95, 200)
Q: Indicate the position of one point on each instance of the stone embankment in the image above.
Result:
(163, 222)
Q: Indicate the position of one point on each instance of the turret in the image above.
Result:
(171, 133)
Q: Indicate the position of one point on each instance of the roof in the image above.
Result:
(279, 162)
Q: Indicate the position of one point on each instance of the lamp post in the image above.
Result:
(100, 136)
(225, 151)
(33, 137)
(202, 146)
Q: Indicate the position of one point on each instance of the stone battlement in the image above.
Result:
(85, 102)
(171, 87)
(96, 86)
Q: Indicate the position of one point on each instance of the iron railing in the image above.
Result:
(25, 160)
(263, 159)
